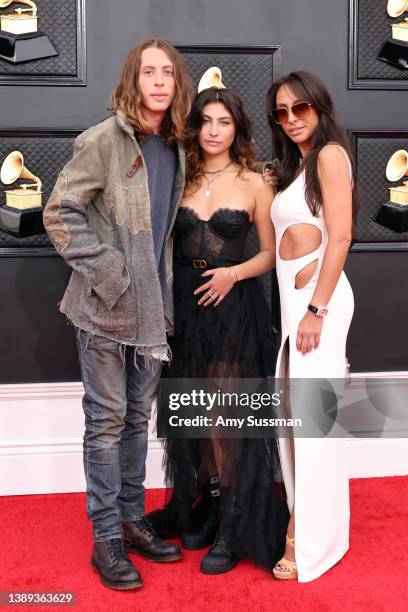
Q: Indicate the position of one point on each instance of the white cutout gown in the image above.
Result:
(319, 479)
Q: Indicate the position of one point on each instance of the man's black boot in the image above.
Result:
(220, 558)
(141, 538)
(115, 569)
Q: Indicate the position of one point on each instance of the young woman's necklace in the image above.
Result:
(211, 180)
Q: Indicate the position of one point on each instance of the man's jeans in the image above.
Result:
(117, 405)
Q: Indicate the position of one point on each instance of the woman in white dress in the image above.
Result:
(313, 214)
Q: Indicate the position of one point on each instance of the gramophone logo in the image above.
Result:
(395, 50)
(211, 78)
(396, 170)
(22, 213)
(20, 40)
(394, 214)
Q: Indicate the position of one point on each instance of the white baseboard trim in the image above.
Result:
(41, 442)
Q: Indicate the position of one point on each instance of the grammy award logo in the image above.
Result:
(397, 169)
(394, 214)
(20, 40)
(22, 213)
(211, 78)
(394, 51)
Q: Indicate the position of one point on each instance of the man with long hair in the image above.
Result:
(110, 216)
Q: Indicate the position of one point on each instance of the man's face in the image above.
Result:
(156, 80)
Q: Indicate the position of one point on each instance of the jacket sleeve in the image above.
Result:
(66, 222)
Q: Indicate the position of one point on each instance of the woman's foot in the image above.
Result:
(167, 522)
(286, 568)
(220, 558)
(206, 526)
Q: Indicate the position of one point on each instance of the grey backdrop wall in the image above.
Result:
(35, 343)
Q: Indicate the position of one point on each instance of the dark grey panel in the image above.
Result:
(63, 21)
(37, 345)
(372, 151)
(378, 337)
(249, 71)
(369, 29)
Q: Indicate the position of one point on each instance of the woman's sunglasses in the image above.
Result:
(300, 110)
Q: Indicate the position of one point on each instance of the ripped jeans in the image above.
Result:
(117, 406)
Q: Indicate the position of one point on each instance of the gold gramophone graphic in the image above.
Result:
(20, 40)
(395, 50)
(394, 214)
(22, 213)
(211, 78)
(396, 169)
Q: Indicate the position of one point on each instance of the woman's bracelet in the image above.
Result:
(235, 273)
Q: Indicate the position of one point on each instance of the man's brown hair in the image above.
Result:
(127, 97)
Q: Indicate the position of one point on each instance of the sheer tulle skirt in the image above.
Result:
(233, 340)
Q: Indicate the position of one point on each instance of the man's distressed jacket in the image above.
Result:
(98, 218)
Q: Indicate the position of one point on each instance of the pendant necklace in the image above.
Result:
(211, 180)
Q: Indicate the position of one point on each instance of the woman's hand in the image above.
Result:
(309, 331)
(270, 178)
(221, 283)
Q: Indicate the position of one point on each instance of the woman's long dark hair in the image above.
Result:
(241, 150)
(310, 88)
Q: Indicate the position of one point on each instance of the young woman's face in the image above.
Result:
(218, 130)
(156, 80)
(299, 128)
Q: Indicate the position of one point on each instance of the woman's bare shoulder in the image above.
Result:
(254, 181)
(332, 151)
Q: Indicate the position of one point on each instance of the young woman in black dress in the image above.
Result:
(227, 493)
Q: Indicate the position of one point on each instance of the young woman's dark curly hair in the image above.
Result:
(241, 150)
(309, 88)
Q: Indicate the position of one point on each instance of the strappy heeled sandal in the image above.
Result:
(290, 573)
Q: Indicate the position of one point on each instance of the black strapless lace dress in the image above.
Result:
(233, 340)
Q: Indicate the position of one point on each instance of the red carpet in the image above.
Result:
(46, 542)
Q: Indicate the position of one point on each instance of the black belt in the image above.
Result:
(203, 264)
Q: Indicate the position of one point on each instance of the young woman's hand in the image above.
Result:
(309, 331)
(270, 178)
(215, 290)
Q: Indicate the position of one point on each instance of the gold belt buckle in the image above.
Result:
(199, 264)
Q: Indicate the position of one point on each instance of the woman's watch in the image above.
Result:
(318, 311)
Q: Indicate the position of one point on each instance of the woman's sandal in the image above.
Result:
(290, 573)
